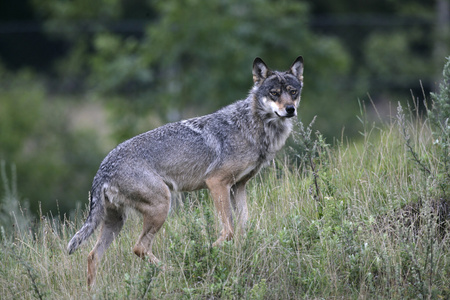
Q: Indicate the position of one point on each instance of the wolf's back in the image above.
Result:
(94, 218)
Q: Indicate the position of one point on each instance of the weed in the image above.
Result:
(439, 116)
(13, 215)
(140, 285)
(35, 285)
(310, 153)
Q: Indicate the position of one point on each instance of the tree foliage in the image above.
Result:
(196, 56)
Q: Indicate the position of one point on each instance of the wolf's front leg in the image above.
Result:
(239, 202)
(220, 192)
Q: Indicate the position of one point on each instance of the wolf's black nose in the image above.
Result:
(290, 109)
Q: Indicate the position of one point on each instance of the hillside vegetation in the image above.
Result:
(374, 227)
(350, 221)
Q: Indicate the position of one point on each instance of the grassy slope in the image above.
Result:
(356, 241)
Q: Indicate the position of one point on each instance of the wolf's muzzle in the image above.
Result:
(290, 111)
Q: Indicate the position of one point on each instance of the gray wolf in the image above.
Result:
(220, 151)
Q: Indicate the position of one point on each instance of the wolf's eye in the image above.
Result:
(274, 93)
(293, 92)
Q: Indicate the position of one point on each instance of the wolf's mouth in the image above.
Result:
(289, 115)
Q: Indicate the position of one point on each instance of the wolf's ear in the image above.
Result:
(297, 68)
(260, 70)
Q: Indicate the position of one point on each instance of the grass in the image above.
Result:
(375, 230)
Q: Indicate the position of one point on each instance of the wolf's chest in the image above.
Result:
(276, 136)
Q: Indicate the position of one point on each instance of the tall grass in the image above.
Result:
(365, 220)
(374, 233)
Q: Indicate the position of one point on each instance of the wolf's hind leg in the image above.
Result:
(154, 204)
(111, 226)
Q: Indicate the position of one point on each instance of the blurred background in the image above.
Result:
(79, 76)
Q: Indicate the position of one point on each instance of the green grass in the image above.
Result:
(373, 232)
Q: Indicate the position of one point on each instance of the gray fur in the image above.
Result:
(220, 151)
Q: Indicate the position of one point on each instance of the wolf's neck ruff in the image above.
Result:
(274, 130)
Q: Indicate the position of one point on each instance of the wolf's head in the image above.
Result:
(277, 93)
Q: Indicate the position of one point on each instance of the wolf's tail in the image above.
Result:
(96, 213)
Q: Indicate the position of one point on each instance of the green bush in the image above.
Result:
(439, 116)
